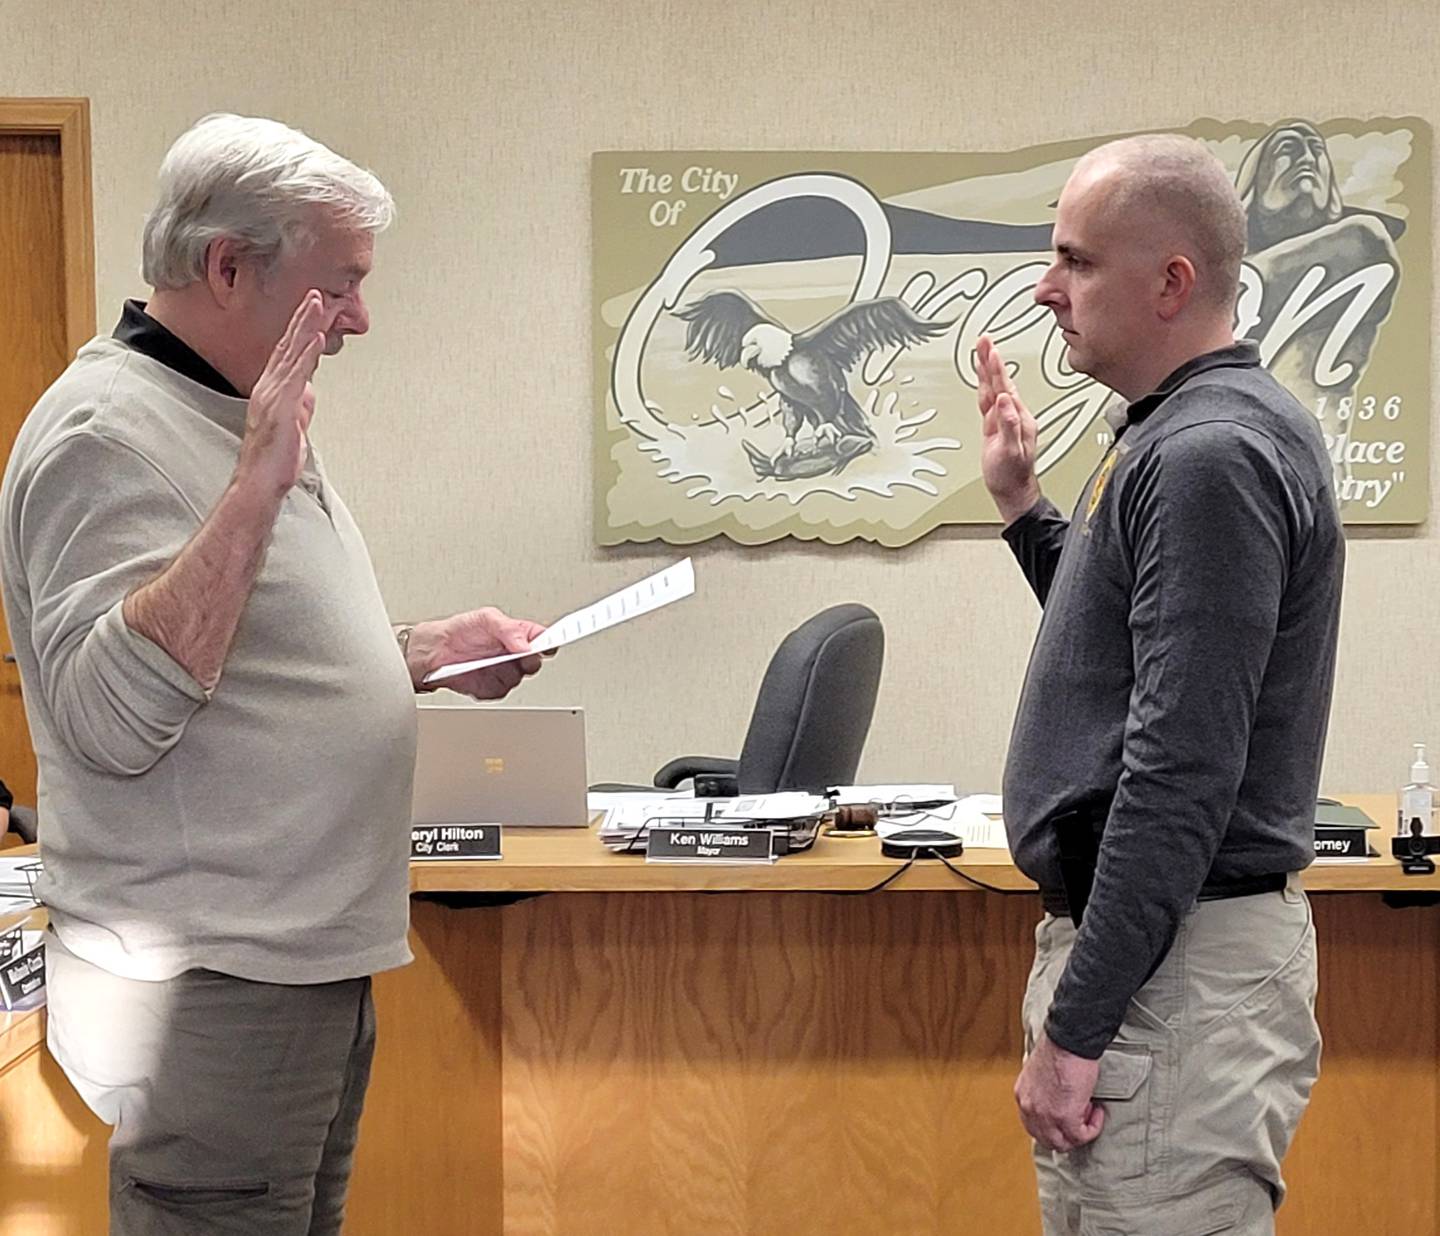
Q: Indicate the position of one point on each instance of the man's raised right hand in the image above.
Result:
(1007, 453)
(282, 403)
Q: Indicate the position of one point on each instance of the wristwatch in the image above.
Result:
(402, 637)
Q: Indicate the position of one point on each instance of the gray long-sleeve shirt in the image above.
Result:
(1183, 668)
(261, 829)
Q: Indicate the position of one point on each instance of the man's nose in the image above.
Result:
(1046, 293)
(354, 316)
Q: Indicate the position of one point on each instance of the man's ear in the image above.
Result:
(224, 269)
(1178, 287)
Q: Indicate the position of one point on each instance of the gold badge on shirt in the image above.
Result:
(1101, 482)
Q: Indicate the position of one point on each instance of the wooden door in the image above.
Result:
(47, 310)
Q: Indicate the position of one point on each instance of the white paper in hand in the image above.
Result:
(672, 584)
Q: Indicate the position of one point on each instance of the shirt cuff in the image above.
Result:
(136, 660)
(1090, 1046)
(1017, 529)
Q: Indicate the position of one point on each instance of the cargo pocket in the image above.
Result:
(1118, 1154)
(198, 1194)
(1207, 1213)
(1221, 1219)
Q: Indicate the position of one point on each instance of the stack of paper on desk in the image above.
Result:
(888, 797)
(604, 800)
(626, 822)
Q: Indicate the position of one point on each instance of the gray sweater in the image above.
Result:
(1183, 668)
(261, 830)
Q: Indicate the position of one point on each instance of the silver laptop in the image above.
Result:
(488, 765)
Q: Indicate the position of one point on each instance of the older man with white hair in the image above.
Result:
(222, 712)
(1160, 784)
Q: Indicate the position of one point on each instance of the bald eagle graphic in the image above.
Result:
(806, 370)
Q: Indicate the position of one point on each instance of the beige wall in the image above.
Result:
(460, 430)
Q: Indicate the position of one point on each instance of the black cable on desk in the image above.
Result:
(874, 888)
(922, 852)
(969, 879)
(931, 814)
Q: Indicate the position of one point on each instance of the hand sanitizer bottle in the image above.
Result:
(1417, 800)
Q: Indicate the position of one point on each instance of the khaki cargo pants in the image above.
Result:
(1205, 1082)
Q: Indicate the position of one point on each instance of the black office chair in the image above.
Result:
(22, 821)
(812, 714)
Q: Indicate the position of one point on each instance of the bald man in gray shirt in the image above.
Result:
(1160, 785)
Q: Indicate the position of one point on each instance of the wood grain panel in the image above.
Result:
(1376, 1097)
(765, 1064)
(429, 1155)
(53, 1165)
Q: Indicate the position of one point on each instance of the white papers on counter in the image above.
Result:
(889, 796)
(966, 818)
